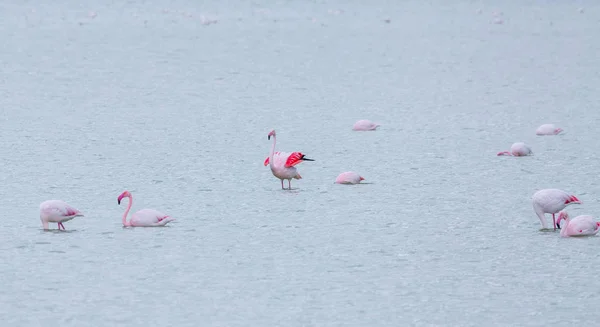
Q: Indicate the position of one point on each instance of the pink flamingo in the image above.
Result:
(548, 129)
(144, 217)
(518, 149)
(552, 201)
(365, 125)
(57, 211)
(282, 163)
(583, 225)
(349, 177)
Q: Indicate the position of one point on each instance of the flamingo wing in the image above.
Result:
(149, 218)
(583, 225)
(275, 155)
(280, 159)
(293, 159)
(59, 208)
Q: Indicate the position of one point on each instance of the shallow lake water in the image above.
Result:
(173, 102)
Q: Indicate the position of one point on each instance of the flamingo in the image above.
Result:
(57, 211)
(552, 201)
(365, 125)
(518, 149)
(349, 177)
(144, 217)
(583, 225)
(282, 163)
(548, 129)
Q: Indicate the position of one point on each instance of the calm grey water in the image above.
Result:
(144, 97)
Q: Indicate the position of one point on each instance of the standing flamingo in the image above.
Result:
(144, 217)
(548, 129)
(552, 201)
(282, 163)
(518, 149)
(365, 125)
(57, 211)
(349, 177)
(583, 225)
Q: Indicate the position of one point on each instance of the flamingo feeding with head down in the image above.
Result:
(583, 225)
(551, 201)
(518, 149)
(144, 217)
(282, 163)
(365, 125)
(57, 211)
(548, 129)
(349, 177)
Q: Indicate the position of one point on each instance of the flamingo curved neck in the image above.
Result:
(125, 222)
(564, 225)
(272, 153)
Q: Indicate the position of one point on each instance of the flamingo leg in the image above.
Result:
(289, 184)
(283, 188)
(553, 222)
(59, 225)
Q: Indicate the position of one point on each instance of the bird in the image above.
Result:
(349, 177)
(583, 225)
(282, 163)
(144, 217)
(57, 211)
(552, 201)
(365, 125)
(518, 149)
(548, 129)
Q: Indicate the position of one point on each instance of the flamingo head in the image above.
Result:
(504, 153)
(125, 194)
(271, 133)
(563, 215)
(558, 131)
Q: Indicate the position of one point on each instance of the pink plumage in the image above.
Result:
(551, 201)
(365, 125)
(282, 163)
(548, 129)
(144, 217)
(349, 177)
(518, 149)
(583, 225)
(291, 159)
(57, 211)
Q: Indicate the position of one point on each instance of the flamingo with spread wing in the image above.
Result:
(282, 163)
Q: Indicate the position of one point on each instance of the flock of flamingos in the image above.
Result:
(282, 164)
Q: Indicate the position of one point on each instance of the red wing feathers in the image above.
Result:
(294, 159)
(572, 198)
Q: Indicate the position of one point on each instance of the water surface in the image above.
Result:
(99, 98)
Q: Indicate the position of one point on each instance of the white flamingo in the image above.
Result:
(518, 149)
(144, 217)
(349, 177)
(548, 129)
(552, 201)
(57, 211)
(365, 125)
